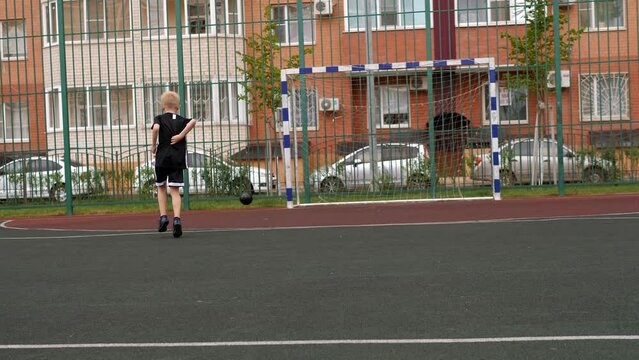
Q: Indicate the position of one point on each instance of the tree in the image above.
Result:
(534, 53)
(262, 75)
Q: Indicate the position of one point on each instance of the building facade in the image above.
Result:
(21, 81)
(120, 57)
(596, 91)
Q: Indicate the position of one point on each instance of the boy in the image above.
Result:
(170, 157)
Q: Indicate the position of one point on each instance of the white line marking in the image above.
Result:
(5, 225)
(387, 202)
(327, 342)
(196, 231)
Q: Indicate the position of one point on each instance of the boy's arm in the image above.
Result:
(177, 138)
(155, 131)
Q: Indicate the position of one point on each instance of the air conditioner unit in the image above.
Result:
(323, 7)
(565, 79)
(566, 2)
(417, 83)
(329, 104)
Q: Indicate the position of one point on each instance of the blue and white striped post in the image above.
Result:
(494, 128)
(286, 138)
(494, 105)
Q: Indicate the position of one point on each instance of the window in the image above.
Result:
(200, 101)
(205, 102)
(311, 107)
(602, 14)
(230, 108)
(14, 167)
(52, 102)
(198, 160)
(287, 25)
(50, 20)
(13, 37)
(604, 97)
(121, 105)
(89, 20)
(14, 122)
(513, 105)
(522, 148)
(199, 17)
(364, 155)
(390, 13)
(394, 106)
(228, 17)
(43, 165)
(474, 12)
(93, 107)
(399, 152)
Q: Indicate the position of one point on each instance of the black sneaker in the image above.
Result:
(177, 227)
(164, 223)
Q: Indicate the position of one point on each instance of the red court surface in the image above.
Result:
(349, 215)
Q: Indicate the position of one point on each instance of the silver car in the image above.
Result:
(210, 175)
(518, 157)
(43, 177)
(398, 164)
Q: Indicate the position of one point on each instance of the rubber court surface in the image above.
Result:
(552, 278)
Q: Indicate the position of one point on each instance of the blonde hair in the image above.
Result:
(170, 100)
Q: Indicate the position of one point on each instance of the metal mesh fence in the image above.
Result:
(81, 80)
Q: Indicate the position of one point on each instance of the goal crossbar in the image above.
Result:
(489, 63)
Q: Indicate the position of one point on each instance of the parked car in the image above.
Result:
(43, 177)
(398, 164)
(210, 175)
(517, 158)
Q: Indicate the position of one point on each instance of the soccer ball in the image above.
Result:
(246, 198)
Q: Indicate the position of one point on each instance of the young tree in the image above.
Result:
(262, 70)
(534, 53)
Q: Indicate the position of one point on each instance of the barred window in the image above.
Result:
(13, 37)
(604, 97)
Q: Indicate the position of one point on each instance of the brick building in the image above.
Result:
(21, 81)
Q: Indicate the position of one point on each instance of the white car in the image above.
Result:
(517, 158)
(210, 175)
(398, 164)
(43, 177)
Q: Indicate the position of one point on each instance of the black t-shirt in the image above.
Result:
(167, 155)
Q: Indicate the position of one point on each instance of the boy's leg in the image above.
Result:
(164, 220)
(160, 182)
(176, 200)
(162, 199)
(177, 204)
(175, 182)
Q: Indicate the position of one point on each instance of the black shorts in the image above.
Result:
(175, 177)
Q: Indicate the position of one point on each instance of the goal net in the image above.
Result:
(390, 132)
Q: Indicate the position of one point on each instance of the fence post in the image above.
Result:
(559, 107)
(303, 106)
(181, 89)
(431, 123)
(65, 107)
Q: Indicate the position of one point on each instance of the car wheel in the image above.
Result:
(58, 193)
(507, 178)
(417, 181)
(594, 175)
(331, 185)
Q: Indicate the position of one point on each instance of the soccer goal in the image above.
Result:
(404, 131)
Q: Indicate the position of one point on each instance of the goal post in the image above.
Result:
(481, 65)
